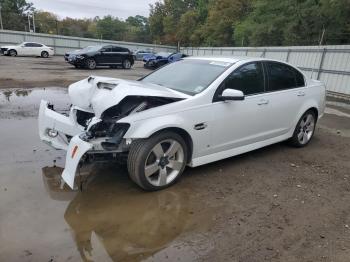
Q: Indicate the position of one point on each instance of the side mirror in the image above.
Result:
(231, 95)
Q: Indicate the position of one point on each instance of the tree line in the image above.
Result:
(204, 22)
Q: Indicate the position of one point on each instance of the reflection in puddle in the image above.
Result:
(26, 102)
(112, 218)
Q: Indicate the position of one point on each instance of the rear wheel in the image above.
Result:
(90, 63)
(44, 54)
(13, 52)
(304, 130)
(157, 162)
(126, 64)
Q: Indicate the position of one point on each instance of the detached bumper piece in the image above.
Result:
(55, 128)
(76, 150)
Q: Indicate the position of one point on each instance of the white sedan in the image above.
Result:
(188, 113)
(28, 49)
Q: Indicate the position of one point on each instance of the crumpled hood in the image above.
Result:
(100, 93)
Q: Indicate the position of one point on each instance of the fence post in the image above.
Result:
(287, 58)
(246, 52)
(321, 63)
(263, 53)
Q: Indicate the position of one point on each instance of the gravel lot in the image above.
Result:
(27, 72)
(274, 204)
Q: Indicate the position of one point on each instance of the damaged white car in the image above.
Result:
(191, 112)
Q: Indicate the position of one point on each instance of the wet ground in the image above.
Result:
(274, 204)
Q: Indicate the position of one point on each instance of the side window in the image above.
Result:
(106, 49)
(299, 78)
(28, 44)
(249, 79)
(37, 45)
(281, 76)
(117, 49)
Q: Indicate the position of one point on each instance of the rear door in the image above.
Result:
(37, 49)
(285, 89)
(118, 54)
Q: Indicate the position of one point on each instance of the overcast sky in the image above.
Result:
(92, 8)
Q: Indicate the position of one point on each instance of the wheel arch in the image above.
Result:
(184, 134)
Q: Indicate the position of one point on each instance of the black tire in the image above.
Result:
(126, 64)
(140, 152)
(44, 54)
(90, 63)
(12, 52)
(303, 134)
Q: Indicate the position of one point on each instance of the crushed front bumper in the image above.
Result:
(51, 122)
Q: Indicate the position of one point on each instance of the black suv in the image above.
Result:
(107, 55)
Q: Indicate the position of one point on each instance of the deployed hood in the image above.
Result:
(97, 94)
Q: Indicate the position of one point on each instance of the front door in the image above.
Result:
(239, 123)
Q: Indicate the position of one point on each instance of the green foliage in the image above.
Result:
(204, 22)
(13, 14)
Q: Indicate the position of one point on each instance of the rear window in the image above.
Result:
(282, 76)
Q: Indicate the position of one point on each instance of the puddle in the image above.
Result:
(110, 220)
(26, 102)
(113, 219)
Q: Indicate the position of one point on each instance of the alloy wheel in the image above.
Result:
(306, 129)
(164, 162)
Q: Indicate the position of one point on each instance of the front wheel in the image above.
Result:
(304, 130)
(157, 162)
(90, 63)
(13, 52)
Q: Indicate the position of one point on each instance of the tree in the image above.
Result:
(14, 14)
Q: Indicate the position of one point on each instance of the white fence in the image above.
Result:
(62, 44)
(330, 64)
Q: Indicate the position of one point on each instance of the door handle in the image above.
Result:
(263, 102)
(301, 93)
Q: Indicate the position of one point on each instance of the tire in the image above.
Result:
(126, 64)
(165, 154)
(304, 130)
(90, 64)
(12, 52)
(44, 54)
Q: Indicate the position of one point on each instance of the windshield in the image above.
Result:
(93, 48)
(188, 76)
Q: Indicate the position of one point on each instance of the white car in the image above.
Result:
(191, 112)
(28, 49)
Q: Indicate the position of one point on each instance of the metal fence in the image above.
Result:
(330, 64)
(62, 44)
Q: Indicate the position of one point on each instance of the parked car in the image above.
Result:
(106, 55)
(139, 54)
(161, 59)
(67, 54)
(191, 112)
(28, 49)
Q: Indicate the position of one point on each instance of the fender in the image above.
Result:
(144, 129)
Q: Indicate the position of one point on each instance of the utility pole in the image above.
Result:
(28, 22)
(1, 26)
(322, 36)
(33, 23)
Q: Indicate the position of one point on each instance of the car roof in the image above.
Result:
(235, 59)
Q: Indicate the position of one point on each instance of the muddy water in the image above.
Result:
(109, 220)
